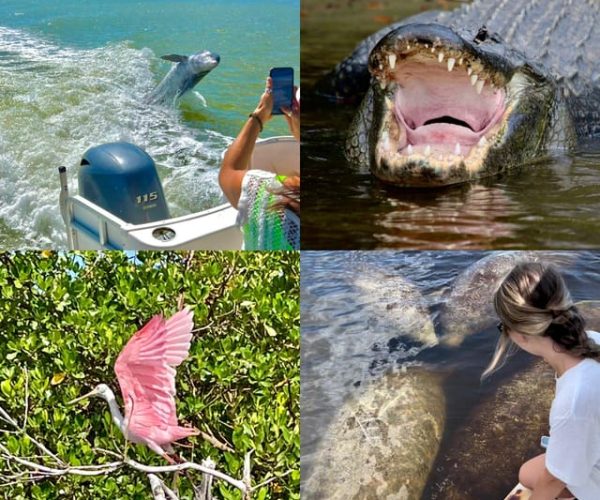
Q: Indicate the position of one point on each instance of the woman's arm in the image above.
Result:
(292, 116)
(547, 487)
(237, 157)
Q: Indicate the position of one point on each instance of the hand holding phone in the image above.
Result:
(283, 88)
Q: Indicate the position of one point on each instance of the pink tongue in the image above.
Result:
(442, 133)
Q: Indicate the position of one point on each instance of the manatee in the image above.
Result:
(468, 308)
(383, 441)
(503, 431)
(590, 309)
(396, 308)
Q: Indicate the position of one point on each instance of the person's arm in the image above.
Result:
(237, 157)
(292, 116)
(548, 487)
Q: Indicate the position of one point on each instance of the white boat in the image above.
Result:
(91, 227)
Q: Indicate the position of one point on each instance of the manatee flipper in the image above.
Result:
(590, 309)
(484, 456)
(382, 442)
(174, 58)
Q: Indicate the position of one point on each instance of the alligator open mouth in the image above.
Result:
(444, 107)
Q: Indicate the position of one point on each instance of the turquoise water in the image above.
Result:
(74, 74)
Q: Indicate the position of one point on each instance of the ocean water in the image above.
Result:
(357, 327)
(74, 74)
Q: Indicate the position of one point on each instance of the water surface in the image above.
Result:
(553, 203)
(343, 351)
(74, 74)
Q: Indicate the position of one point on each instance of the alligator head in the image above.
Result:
(444, 108)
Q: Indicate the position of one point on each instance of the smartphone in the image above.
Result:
(283, 88)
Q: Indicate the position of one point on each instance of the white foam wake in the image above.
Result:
(56, 102)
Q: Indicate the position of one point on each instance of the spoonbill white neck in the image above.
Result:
(109, 396)
(105, 392)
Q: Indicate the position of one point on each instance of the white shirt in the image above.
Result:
(573, 453)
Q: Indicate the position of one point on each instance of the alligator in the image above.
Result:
(460, 95)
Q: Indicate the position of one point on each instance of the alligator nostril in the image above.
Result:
(481, 35)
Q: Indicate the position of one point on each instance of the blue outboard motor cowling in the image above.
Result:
(121, 178)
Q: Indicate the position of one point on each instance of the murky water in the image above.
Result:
(74, 74)
(553, 203)
(352, 337)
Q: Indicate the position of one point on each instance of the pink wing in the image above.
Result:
(147, 377)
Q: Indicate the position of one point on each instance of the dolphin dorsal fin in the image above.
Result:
(175, 58)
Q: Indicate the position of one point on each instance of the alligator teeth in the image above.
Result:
(432, 50)
(457, 149)
(382, 84)
(451, 62)
(482, 142)
(426, 45)
(469, 71)
(473, 79)
(479, 86)
(440, 57)
(385, 138)
(408, 46)
(409, 149)
(427, 150)
(380, 67)
(460, 61)
(388, 103)
(392, 60)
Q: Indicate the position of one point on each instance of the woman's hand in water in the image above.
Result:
(292, 116)
(264, 109)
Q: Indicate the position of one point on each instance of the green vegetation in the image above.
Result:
(64, 318)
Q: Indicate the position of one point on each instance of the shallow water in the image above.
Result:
(553, 203)
(74, 74)
(345, 348)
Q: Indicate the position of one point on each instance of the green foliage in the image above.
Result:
(64, 318)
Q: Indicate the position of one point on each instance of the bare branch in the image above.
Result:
(216, 443)
(26, 399)
(264, 483)
(160, 491)
(156, 487)
(206, 484)
(7, 418)
(247, 476)
(184, 466)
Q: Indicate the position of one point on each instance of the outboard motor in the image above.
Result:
(122, 179)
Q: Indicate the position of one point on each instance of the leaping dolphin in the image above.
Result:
(184, 76)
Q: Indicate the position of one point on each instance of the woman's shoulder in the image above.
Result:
(578, 393)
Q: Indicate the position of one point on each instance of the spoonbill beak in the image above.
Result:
(88, 395)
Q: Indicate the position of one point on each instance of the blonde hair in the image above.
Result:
(533, 299)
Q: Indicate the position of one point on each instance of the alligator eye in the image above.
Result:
(481, 35)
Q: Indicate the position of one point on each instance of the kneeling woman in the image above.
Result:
(537, 314)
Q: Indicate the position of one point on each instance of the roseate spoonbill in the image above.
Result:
(146, 374)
